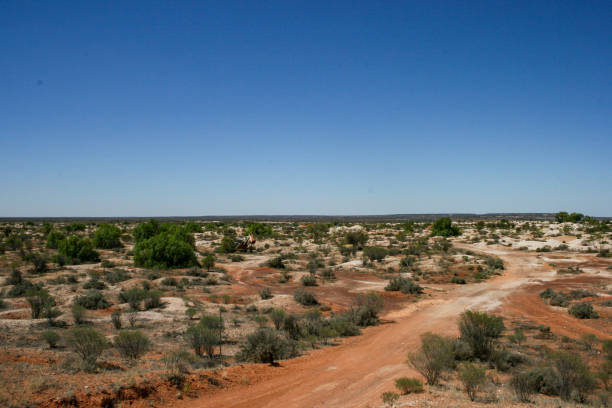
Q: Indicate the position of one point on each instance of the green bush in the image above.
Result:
(309, 280)
(202, 339)
(574, 378)
(278, 318)
(78, 250)
(54, 238)
(165, 250)
(583, 310)
(305, 298)
(51, 338)
(276, 263)
(481, 331)
(75, 226)
(389, 398)
(94, 299)
(368, 306)
(116, 319)
(473, 378)
(88, 343)
(409, 385)
(458, 280)
(132, 344)
(40, 302)
(524, 385)
(228, 245)
(208, 262)
(107, 236)
(405, 285)
(375, 253)
(265, 345)
(434, 358)
(78, 313)
(444, 227)
(357, 239)
(265, 293)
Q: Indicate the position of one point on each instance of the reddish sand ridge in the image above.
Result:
(357, 372)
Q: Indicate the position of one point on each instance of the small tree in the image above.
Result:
(473, 377)
(88, 343)
(202, 339)
(208, 262)
(583, 310)
(132, 344)
(481, 331)
(107, 236)
(517, 337)
(435, 357)
(444, 227)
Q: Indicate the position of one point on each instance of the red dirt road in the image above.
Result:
(355, 373)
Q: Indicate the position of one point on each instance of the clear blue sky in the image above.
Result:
(207, 108)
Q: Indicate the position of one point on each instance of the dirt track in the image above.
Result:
(355, 373)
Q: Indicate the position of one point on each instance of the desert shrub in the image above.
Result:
(517, 337)
(481, 331)
(305, 298)
(3, 304)
(165, 250)
(21, 288)
(405, 285)
(276, 262)
(309, 280)
(107, 263)
(375, 253)
(389, 398)
(75, 226)
(94, 282)
(458, 280)
(435, 356)
(192, 227)
(39, 263)
(132, 344)
(494, 263)
(328, 274)
(152, 299)
(51, 338)
(278, 318)
(208, 262)
(132, 296)
(583, 310)
(343, 326)
(472, 376)
(265, 345)
(574, 377)
(88, 343)
(169, 282)
(107, 236)
(409, 385)
(92, 300)
(202, 339)
(153, 275)
(78, 313)
(54, 238)
(259, 230)
(524, 385)
(40, 302)
(228, 245)
(357, 239)
(116, 276)
(444, 227)
(237, 258)
(116, 319)
(368, 307)
(78, 250)
(265, 293)
(176, 363)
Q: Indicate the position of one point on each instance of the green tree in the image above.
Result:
(107, 236)
(444, 227)
(88, 343)
(208, 262)
(481, 331)
(473, 378)
(78, 249)
(265, 345)
(132, 344)
(165, 250)
(435, 356)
